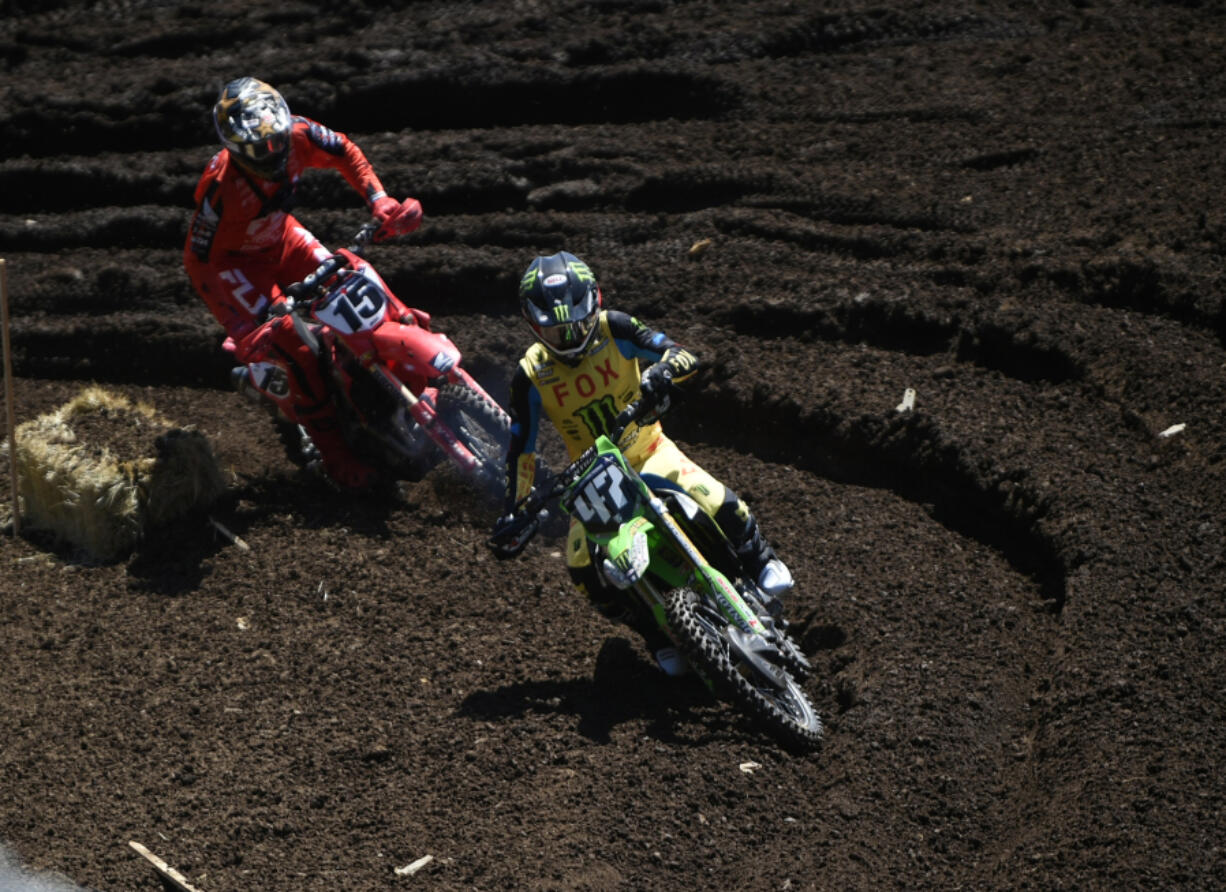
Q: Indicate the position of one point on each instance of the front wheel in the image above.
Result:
(792, 656)
(776, 701)
(483, 428)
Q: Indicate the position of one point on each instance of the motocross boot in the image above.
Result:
(763, 566)
(671, 661)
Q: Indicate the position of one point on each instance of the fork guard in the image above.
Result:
(730, 601)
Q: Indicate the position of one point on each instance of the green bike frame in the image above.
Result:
(645, 548)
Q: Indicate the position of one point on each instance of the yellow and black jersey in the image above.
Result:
(582, 400)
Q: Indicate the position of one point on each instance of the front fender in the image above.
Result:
(415, 351)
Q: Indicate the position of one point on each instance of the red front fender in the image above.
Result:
(414, 354)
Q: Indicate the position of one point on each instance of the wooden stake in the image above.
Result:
(233, 538)
(8, 393)
(165, 871)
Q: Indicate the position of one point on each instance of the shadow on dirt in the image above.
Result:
(624, 687)
(173, 560)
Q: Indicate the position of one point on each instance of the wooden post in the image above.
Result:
(171, 878)
(8, 393)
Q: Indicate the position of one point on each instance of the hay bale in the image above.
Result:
(101, 471)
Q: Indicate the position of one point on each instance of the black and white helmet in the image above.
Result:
(561, 301)
(254, 123)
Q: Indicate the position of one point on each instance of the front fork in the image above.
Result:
(706, 577)
(746, 635)
(702, 576)
(426, 416)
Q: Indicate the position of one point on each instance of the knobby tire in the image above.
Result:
(482, 427)
(788, 714)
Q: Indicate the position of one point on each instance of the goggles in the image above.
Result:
(568, 338)
(266, 149)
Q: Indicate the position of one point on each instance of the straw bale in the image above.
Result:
(101, 471)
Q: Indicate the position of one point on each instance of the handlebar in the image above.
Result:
(513, 534)
(311, 285)
(568, 475)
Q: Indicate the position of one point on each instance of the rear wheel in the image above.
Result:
(483, 428)
(776, 701)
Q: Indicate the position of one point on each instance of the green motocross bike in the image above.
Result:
(651, 539)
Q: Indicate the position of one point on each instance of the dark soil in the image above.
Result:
(1012, 594)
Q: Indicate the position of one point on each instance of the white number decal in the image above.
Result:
(357, 305)
(603, 496)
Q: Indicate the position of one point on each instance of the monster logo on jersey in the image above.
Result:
(599, 415)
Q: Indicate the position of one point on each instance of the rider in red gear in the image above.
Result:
(243, 246)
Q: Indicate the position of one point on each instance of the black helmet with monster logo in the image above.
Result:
(561, 301)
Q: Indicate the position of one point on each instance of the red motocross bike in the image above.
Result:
(404, 401)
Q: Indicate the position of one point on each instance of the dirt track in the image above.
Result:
(1012, 594)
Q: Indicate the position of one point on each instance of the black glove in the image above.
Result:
(656, 383)
(511, 535)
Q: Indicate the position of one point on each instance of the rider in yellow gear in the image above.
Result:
(586, 365)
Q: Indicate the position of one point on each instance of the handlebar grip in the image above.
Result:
(627, 416)
(624, 419)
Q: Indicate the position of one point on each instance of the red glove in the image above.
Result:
(395, 217)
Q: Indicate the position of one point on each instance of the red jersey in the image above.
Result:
(238, 212)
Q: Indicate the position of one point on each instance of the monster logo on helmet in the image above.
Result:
(561, 301)
(254, 124)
